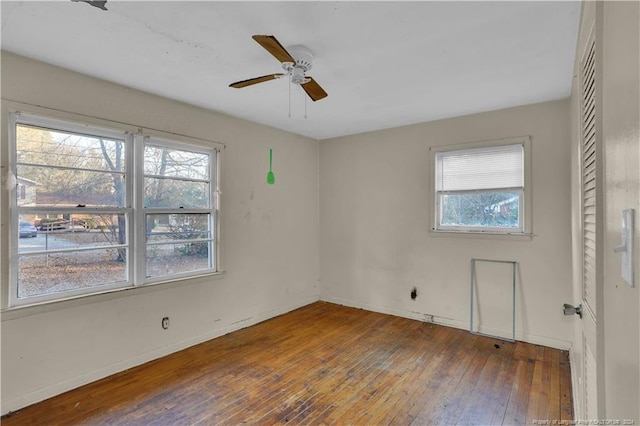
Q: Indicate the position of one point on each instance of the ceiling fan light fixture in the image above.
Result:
(297, 76)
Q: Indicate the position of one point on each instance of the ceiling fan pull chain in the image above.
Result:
(289, 96)
(305, 105)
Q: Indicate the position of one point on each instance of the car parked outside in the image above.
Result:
(27, 230)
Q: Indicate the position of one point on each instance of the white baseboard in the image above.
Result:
(396, 312)
(575, 384)
(450, 322)
(92, 376)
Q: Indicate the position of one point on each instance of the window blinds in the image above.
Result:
(497, 167)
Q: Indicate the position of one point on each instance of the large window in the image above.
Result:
(96, 210)
(481, 187)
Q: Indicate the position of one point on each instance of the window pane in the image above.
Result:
(170, 193)
(60, 272)
(168, 259)
(166, 161)
(171, 227)
(44, 187)
(35, 145)
(70, 231)
(490, 209)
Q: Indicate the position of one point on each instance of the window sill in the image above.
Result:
(482, 235)
(15, 312)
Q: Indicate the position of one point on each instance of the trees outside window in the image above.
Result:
(88, 200)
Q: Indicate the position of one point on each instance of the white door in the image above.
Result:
(592, 241)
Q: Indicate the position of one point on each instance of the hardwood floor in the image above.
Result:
(328, 364)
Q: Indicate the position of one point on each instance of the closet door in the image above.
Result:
(592, 259)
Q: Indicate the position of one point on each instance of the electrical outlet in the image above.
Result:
(165, 323)
(428, 318)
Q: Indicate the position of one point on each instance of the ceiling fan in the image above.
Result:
(296, 64)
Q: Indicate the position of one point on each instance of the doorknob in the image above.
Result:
(570, 310)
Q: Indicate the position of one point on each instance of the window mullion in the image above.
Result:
(71, 250)
(72, 210)
(184, 179)
(521, 215)
(214, 257)
(14, 216)
(78, 169)
(162, 210)
(169, 242)
(139, 217)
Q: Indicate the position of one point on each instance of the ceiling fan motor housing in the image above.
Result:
(304, 62)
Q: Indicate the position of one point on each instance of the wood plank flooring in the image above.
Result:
(327, 364)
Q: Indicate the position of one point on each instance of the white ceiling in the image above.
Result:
(384, 64)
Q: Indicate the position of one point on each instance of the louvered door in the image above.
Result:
(591, 232)
(589, 180)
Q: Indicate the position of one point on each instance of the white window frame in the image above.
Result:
(141, 213)
(133, 208)
(524, 218)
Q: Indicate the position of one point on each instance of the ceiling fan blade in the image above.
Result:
(314, 90)
(273, 46)
(245, 83)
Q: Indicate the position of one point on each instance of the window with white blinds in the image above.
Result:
(482, 188)
(481, 168)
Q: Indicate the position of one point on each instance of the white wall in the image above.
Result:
(375, 243)
(270, 244)
(621, 140)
